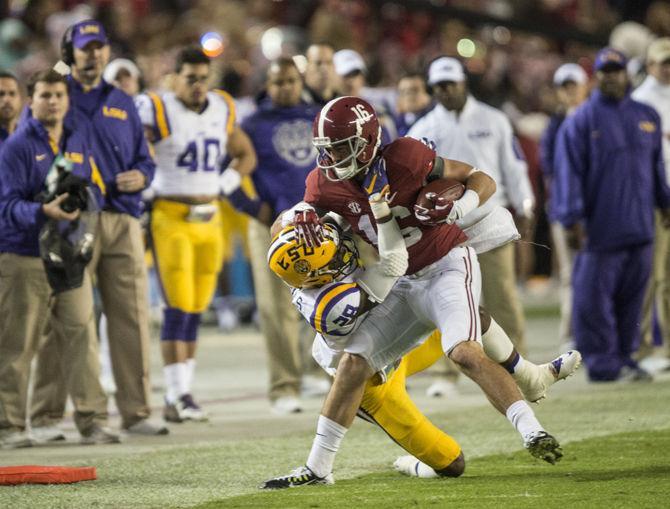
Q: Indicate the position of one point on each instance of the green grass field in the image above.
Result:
(616, 443)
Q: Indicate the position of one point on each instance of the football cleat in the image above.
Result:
(543, 446)
(301, 476)
(413, 467)
(545, 375)
(184, 409)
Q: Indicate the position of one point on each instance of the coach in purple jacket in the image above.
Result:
(126, 168)
(609, 178)
(28, 157)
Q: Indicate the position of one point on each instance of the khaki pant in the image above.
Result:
(281, 324)
(500, 296)
(658, 293)
(121, 278)
(28, 309)
(565, 258)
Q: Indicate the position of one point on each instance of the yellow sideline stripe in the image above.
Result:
(325, 300)
(231, 109)
(161, 119)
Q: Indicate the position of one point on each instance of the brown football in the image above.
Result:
(449, 190)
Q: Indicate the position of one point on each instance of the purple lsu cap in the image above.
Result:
(609, 58)
(87, 31)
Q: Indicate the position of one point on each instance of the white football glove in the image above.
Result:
(463, 206)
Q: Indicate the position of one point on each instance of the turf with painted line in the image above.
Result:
(616, 471)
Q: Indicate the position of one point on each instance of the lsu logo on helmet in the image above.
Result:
(302, 266)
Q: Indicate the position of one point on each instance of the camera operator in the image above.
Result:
(36, 154)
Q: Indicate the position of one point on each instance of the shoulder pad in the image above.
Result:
(336, 309)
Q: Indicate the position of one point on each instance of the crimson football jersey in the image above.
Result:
(408, 164)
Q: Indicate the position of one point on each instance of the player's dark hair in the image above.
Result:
(49, 76)
(191, 55)
(8, 75)
(283, 63)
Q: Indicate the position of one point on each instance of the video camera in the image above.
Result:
(60, 179)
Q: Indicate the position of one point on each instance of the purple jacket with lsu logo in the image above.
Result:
(117, 140)
(609, 172)
(25, 160)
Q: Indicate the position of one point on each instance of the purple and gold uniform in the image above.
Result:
(187, 239)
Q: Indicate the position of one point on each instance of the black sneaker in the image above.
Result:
(544, 446)
(301, 476)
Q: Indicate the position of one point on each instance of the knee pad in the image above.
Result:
(191, 331)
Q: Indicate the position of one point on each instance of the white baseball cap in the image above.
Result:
(659, 50)
(112, 70)
(570, 72)
(347, 61)
(445, 69)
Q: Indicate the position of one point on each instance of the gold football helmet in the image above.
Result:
(301, 266)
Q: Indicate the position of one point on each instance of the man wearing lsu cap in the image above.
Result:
(571, 85)
(655, 91)
(468, 130)
(609, 177)
(126, 168)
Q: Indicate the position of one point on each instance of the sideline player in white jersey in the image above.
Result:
(193, 131)
(330, 288)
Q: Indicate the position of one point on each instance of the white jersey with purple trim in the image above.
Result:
(332, 310)
(189, 146)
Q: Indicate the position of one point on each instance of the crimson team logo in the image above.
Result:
(354, 207)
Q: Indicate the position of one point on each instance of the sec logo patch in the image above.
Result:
(354, 207)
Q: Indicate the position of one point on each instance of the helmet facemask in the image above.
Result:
(354, 147)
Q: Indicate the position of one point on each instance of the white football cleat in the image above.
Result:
(534, 387)
(286, 405)
(543, 446)
(45, 434)
(413, 467)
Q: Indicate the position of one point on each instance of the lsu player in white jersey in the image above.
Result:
(193, 131)
(332, 291)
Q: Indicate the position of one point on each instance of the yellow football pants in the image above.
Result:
(391, 408)
(188, 255)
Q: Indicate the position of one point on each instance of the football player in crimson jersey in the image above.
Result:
(369, 185)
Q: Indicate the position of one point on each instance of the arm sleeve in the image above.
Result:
(143, 160)
(570, 162)
(514, 169)
(17, 207)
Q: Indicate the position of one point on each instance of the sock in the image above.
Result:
(171, 376)
(424, 471)
(329, 435)
(497, 344)
(523, 418)
(190, 373)
(181, 378)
